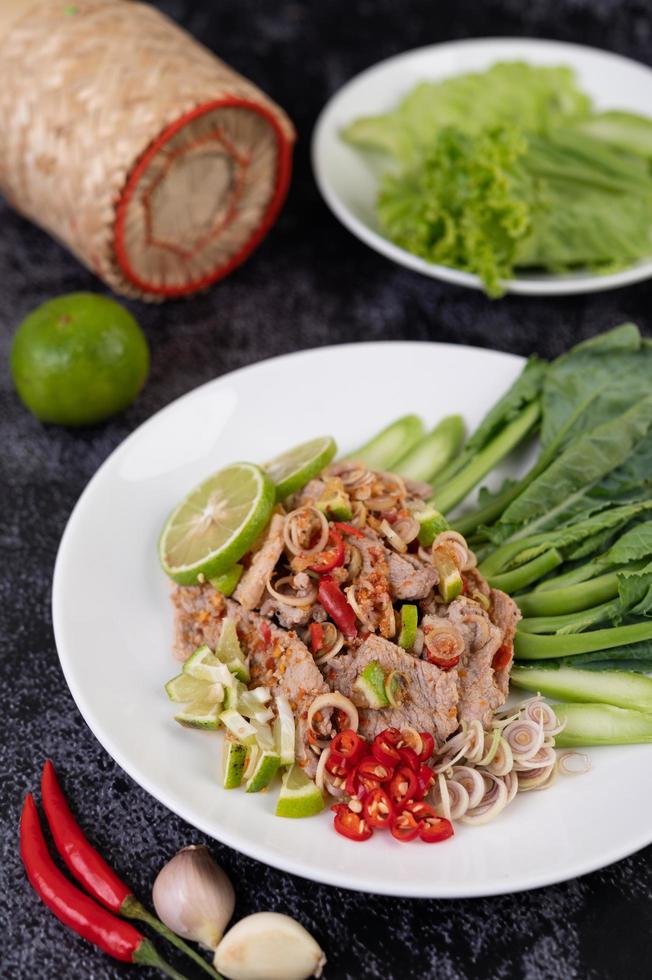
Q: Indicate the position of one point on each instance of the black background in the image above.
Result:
(310, 283)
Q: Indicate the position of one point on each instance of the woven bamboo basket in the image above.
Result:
(154, 162)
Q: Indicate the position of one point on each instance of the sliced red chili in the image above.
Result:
(404, 826)
(433, 829)
(425, 779)
(384, 751)
(316, 637)
(332, 557)
(336, 766)
(409, 758)
(334, 602)
(353, 785)
(502, 657)
(378, 809)
(427, 746)
(444, 663)
(349, 529)
(348, 748)
(371, 768)
(265, 634)
(419, 809)
(350, 824)
(404, 785)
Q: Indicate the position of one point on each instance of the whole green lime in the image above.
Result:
(79, 359)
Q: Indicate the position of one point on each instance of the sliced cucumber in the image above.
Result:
(431, 522)
(234, 759)
(227, 581)
(371, 685)
(450, 580)
(229, 651)
(201, 714)
(429, 456)
(409, 623)
(618, 687)
(267, 765)
(601, 724)
(239, 727)
(388, 446)
(284, 730)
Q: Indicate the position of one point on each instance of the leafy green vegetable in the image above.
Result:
(622, 129)
(531, 97)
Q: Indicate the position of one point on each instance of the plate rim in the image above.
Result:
(247, 845)
(520, 286)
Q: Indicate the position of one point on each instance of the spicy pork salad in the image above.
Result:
(347, 637)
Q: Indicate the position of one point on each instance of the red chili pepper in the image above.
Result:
(378, 809)
(408, 757)
(334, 602)
(425, 779)
(330, 558)
(90, 868)
(371, 768)
(353, 784)
(384, 751)
(432, 828)
(502, 657)
(350, 824)
(404, 826)
(336, 767)
(265, 634)
(404, 785)
(444, 663)
(75, 909)
(349, 529)
(427, 746)
(316, 637)
(348, 748)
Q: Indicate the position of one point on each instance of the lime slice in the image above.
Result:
(265, 769)
(201, 714)
(299, 796)
(284, 730)
(184, 688)
(409, 623)
(234, 758)
(239, 727)
(216, 523)
(227, 581)
(205, 666)
(371, 684)
(293, 469)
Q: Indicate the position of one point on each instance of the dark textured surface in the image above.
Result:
(311, 283)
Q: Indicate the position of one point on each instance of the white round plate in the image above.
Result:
(348, 179)
(113, 628)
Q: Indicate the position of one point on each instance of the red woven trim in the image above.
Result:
(283, 173)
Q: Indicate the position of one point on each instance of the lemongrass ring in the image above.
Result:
(493, 803)
(472, 782)
(566, 769)
(490, 746)
(301, 602)
(544, 757)
(441, 639)
(459, 799)
(351, 596)
(407, 529)
(503, 761)
(525, 737)
(536, 779)
(338, 702)
(394, 539)
(321, 768)
(444, 797)
(412, 739)
(292, 530)
(381, 504)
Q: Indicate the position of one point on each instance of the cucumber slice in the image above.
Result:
(229, 651)
(216, 523)
(227, 581)
(432, 523)
(429, 456)
(267, 765)
(234, 759)
(239, 727)
(284, 730)
(618, 687)
(204, 665)
(293, 469)
(299, 797)
(601, 724)
(184, 688)
(201, 714)
(450, 580)
(388, 446)
(409, 623)
(371, 685)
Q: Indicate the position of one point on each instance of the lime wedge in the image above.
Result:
(229, 651)
(185, 688)
(234, 758)
(201, 714)
(371, 684)
(239, 727)
(265, 769)
(205, 666)
(299, 796)
(216, 523)
(293, 469)
(227, 581)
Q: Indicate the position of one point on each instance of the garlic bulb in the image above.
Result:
(194, 897)
(269, 946)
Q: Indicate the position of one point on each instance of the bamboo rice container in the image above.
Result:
(153, 161)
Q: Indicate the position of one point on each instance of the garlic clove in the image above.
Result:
(193, 896)
(269, 946)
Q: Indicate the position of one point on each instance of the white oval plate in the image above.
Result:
(347, 178)
(113, 628)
